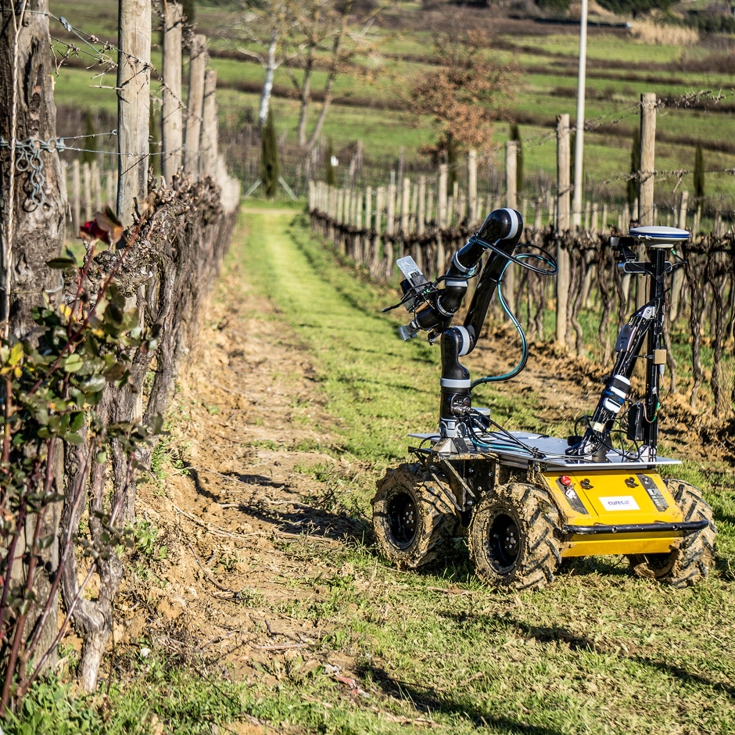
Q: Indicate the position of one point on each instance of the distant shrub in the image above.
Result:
(635, 7)
(556, 6)
(655, 34)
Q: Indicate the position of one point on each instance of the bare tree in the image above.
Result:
(324, 37)
(263, 25)
(303, 36)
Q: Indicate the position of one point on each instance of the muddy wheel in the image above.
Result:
(514, 537)
(412, 516)
(691, 562)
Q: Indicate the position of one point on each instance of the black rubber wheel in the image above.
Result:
(691, 562)
(515, 537)
(412, 516)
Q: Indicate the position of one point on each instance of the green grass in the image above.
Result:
(598, 651)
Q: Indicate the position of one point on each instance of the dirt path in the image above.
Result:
(241, 538)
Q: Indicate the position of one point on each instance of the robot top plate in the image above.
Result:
(659, 237)
(549, 450)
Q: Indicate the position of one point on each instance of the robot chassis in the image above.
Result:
(528, 501)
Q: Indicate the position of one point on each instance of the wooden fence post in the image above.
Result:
(379, 195)
(441, 199)
(172, 114)
(87, 179)
(562, 225)
(677, 279)
(405, 206)
(96, 187)
(133, 103)
(76, 196)
(421, 207)
(472, 185)
(208, 144)
(197, 69)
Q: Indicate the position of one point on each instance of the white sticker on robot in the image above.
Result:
(621, 502)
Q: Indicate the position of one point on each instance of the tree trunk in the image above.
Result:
(333, 70)
(270, 71)
(32, 221)
(305, 97)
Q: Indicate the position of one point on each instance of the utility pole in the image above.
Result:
(561, 226)
(579, 138)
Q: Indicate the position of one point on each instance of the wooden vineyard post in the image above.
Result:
(367, 242)
(172, 114)
(96, 187)
(677, 279)
(208, 143)
(197, 69)
(76, 196)
(441, 207)
(562, 226)
(87, 182)
(442, 196)
(472, 185)
(389, 230)
(595, 221)
(357, 223)
(110, 190)
(405, 215)
(421, 207)
(538, 215)
(683, 212)
(133, 102)
(511, 186)
(604, 218)
(379, 196)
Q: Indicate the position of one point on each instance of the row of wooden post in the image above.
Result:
(409, 211)
(85, 191)
(189, 131)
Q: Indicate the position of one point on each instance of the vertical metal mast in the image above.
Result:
(579, 139)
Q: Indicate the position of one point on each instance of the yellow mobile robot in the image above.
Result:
(527, 501)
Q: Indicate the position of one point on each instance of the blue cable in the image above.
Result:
(524, 344)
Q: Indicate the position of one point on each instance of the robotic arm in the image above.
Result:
(435, 308)
(500, 233)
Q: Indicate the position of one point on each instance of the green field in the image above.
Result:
(628, 68)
